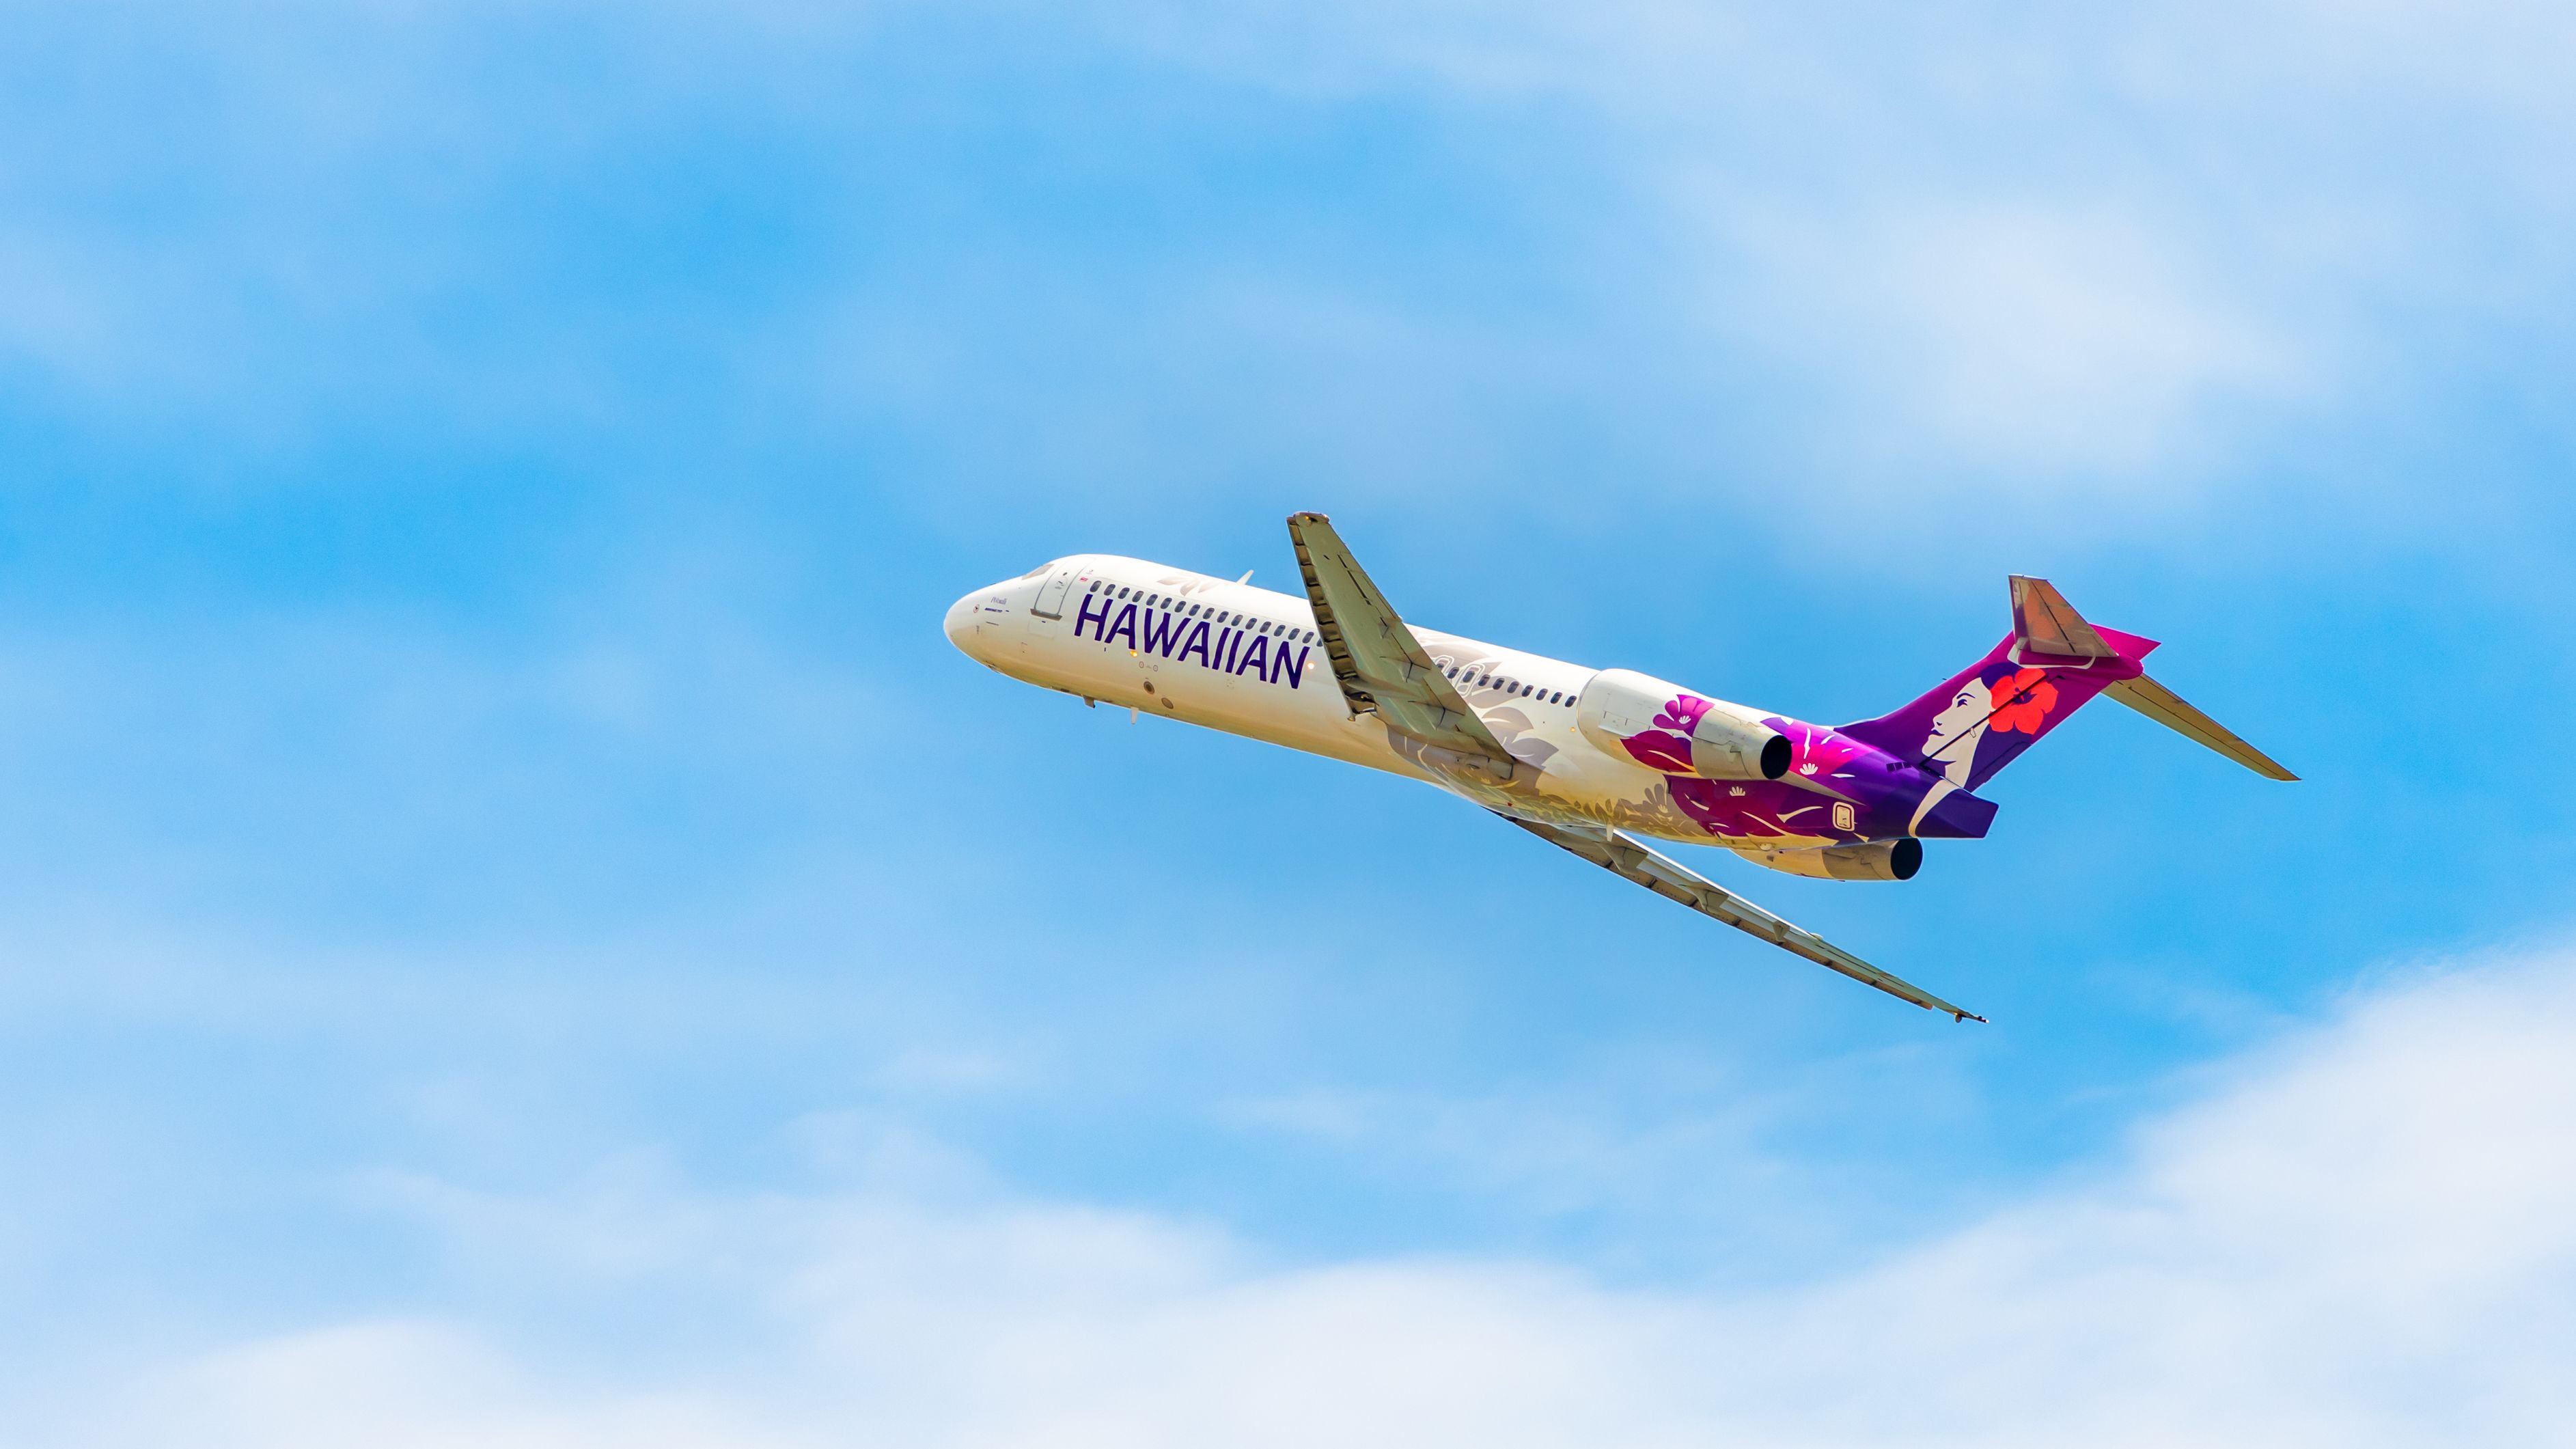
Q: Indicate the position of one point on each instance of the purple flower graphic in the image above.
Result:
(1667, 746)
(1683, 715)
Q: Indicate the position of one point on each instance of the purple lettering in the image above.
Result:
(1126, 625)
(1255, 659)
(1158, 642)
(1197, 644)
(1295, 668)
(1224, 642)
(1088, 617)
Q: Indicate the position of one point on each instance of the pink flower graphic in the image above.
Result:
(1659, 751)
(1816, 750)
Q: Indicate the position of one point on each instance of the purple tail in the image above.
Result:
(1983, 717)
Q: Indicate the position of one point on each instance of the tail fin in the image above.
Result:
(1983, 717)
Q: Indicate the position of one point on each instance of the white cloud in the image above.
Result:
(406, 1385)
(2035, 340)
(1993, 253)
(2021, 251)
(2365, 1235)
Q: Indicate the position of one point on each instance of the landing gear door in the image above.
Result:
(1050, 604)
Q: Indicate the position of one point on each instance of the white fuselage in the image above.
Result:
(1167, 641)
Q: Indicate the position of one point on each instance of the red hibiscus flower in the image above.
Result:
(2022, 701)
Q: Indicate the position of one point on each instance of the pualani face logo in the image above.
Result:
(2013, 701)
(1225, 648)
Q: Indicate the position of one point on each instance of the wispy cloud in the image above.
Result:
(2011, 252)
(2359, 1236)
(1998, 255)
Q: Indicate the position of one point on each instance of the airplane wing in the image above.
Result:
(1381, 668)
(1621, 855)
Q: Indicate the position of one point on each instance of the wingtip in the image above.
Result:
(1964, 1017)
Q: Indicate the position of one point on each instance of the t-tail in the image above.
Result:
(2052, 662)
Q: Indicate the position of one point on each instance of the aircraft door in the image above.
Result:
(1050, 601)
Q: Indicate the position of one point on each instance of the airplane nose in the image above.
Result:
(960, 623)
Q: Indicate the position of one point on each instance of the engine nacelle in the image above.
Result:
(1665, 727)
(1869, 860)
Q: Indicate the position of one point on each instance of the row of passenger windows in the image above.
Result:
(1198, 611)
(1508, 686)
(1119, 594)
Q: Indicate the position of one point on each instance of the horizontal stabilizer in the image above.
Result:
(1620, 854)
(2175, 713)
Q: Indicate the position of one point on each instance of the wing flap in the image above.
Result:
(1379, 664)
(1622, 856)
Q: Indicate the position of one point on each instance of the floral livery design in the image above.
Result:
(2022, 699)
(1667, 747)
(1752, 809)
(1815, 751)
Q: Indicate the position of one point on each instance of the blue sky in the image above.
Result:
(515, 926)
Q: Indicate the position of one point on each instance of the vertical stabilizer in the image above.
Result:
(1983, 717)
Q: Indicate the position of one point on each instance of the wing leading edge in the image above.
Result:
(1622, 856)
(1381, 668)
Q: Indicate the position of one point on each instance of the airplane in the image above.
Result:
(1595, 761)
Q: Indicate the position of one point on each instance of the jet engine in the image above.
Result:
(1666, 727)
(1870, 860)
